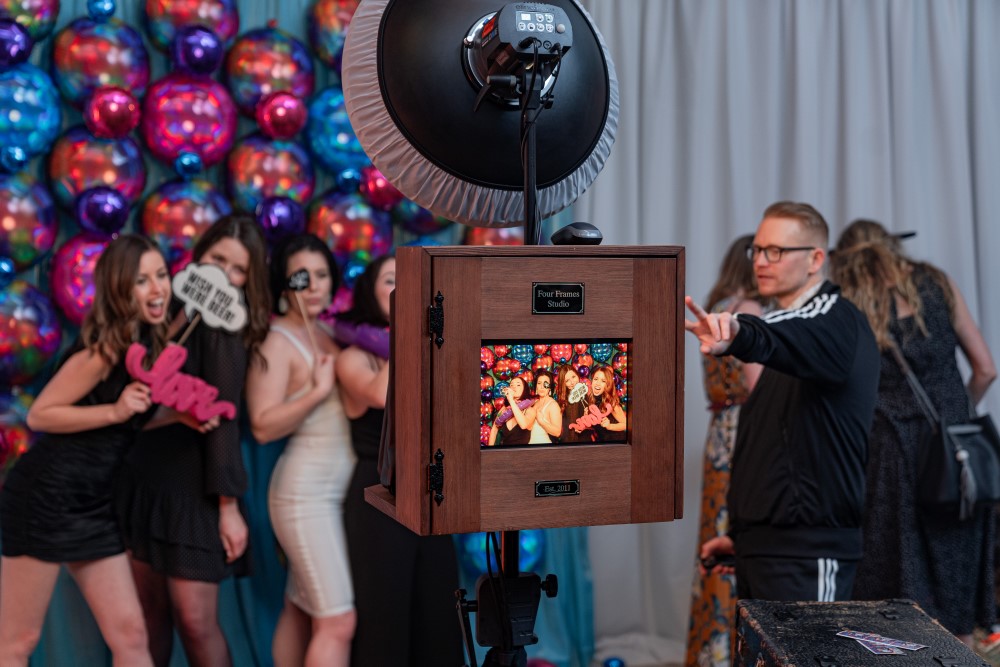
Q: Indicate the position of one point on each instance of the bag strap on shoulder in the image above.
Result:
(923, 400)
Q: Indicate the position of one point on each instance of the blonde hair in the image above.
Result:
(871, 269)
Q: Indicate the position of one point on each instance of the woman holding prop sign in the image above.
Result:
(294, 394)
(56, 505)
(178, 491)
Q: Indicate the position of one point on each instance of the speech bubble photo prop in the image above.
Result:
(208, 295)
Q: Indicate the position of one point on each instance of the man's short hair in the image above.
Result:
(810, 219)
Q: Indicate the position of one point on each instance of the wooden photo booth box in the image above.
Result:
(468, 320)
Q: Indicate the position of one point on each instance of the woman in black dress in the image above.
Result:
(56, 504)
(404, 585)
(178, 497)
(946, 565)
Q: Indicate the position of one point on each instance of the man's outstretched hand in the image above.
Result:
(715, 331)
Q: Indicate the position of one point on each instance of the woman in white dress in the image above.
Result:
(294, 394)
(545, 414)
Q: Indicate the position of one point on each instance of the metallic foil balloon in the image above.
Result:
(541, 348)
(12, 159)
(182, 113)
(542, 363)
(327, 26)
(601, 351)
(523, 353)
(15, 43)
(28, 222)
(30, 333)
(494, 236)
(176, 266)
(7, 272)
(613, 661)
(349, 180)
(280, 217)
(349, 226)
(102, 210)
(329, 134)
(561, 353)
(196, 50)
(281, 115)
(501, 350)
(416, 219)
(620, 363)
(264, 61)
(100, 10)
(165, 17)
(379, 192)
(486, 359)
(38, 16)
(177, 213)
(80, 161)
(352, 271)
(72, 279)
(30, 116)
(258, 168)
(472, 552)
(88, 54)
(15, 436)
(111, 113)
(188, 165)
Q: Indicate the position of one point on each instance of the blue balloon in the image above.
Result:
(100, 10)
(188, 165)
(613, 661)
(329, 134)
(348, 181)
(472, 551)
(12, 159)
(7, 272)
(15, 43)
(30, 114)
(352, 271)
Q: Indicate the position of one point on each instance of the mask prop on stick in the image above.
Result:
(299, 282)
(208, 297)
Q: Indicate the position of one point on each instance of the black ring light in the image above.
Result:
(411, 85)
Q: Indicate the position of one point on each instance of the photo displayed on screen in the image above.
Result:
(553, 393)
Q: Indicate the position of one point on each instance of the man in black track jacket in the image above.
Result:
(798, 472)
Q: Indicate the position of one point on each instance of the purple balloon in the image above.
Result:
(196, 50)
(15, 43)
(280, 217)
(102, 210)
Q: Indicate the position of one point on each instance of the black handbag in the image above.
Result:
(958, 465)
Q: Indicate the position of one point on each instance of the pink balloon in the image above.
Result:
(111, 113)
(182, 113)
(72, 277)
(377, 189)
(281, 115)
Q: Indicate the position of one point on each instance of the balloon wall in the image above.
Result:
(159, 117)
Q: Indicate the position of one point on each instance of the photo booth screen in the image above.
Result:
(547, 392)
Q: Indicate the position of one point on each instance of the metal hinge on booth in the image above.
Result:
(435, 319)
(435, 477)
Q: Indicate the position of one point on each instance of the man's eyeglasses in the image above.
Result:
(773, 253)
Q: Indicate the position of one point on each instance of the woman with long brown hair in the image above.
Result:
(178, 498)
(56, 504)
(728, 382)
(946, 565)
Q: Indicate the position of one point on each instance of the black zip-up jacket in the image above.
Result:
(798, 475)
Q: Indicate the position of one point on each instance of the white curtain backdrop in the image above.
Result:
(886, 109)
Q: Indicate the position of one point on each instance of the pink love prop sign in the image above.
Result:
(180, 391)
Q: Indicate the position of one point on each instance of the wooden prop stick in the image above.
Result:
(190, 327)
(298, 282)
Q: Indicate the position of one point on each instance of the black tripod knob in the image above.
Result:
(550, 585)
